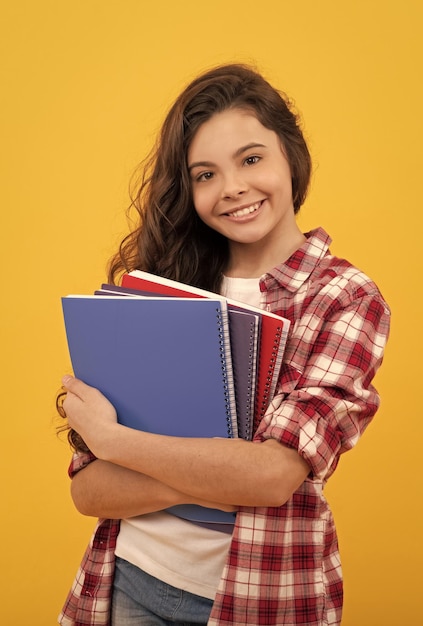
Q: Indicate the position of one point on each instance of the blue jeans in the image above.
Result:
(139, 598)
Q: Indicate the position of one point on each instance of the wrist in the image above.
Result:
(109, 442)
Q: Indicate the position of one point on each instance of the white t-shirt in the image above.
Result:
(181, 554)
(242, 289)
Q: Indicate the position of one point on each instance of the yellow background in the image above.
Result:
(85, 85)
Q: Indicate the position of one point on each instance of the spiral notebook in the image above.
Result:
(165, 364)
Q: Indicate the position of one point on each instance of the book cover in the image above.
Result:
(165, 364)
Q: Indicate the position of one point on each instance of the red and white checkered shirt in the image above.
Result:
(283, 565)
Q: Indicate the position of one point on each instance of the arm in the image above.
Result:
(198, 468)
(106, 490)
(328, 398)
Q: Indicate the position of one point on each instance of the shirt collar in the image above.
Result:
(300, 265)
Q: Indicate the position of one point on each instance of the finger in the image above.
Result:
(67, 380)
(74, 385)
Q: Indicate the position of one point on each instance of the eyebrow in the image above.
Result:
(236, 154)
(249, 146)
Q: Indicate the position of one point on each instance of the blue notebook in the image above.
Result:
(165, 364)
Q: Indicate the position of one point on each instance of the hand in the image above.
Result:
(88, 412)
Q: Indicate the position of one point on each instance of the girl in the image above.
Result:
(217, 205)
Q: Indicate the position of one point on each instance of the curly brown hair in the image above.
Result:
(75, 440)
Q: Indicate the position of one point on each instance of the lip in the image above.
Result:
(231, 214)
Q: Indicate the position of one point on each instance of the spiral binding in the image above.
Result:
(248, 411)
(227, 374)
(261, 410)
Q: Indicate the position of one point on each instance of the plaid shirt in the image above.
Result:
(283, 565)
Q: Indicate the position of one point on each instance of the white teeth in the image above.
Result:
(246, 211)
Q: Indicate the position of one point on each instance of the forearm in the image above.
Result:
(229, 471)
(106, 490)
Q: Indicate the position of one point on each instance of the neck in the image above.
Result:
(254, 260)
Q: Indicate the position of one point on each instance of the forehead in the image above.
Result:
(230, 130)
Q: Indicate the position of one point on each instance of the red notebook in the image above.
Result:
(272, 340)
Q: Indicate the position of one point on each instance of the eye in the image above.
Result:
(203, 177)
(252, 160)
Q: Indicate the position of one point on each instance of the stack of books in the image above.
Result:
(177, 360)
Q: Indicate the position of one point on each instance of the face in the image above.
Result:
(241, 180)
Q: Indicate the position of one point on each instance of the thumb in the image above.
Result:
(76, 386)
(72, 384)
(67, 380)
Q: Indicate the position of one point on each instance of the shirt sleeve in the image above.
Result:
(325, 398)
(79, 461)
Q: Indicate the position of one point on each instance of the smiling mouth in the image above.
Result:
(245, 211)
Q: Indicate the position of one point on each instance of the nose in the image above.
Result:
(234, 185)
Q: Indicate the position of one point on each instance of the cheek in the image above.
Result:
(278, 182)
(202, 202)
(195, 199)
